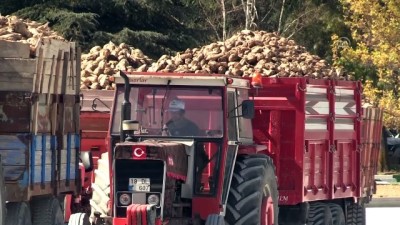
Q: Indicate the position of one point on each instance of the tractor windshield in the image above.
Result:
(174, 111)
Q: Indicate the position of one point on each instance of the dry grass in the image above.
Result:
(387, 191)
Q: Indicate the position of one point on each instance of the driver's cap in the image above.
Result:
(176, 105)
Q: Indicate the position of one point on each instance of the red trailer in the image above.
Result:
(323, 143)
(296, 150)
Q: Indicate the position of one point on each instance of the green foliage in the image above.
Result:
(375, 53)
(71, 25)
(163, 27)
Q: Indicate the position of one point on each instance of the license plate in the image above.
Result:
(139, 184)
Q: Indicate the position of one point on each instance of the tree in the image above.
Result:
(156, 27)
(374, 55)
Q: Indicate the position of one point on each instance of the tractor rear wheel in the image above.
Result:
(337, 214)
(18, 213)
(2, 196)
(47, 211)
(253, 196)
(101, 187)
(319, 214)
(355, 214)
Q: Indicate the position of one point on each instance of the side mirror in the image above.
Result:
(87, 160)
(248, 109)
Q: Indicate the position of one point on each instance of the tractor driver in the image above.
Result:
(179, 125)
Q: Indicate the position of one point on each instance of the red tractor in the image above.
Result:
(213, 150)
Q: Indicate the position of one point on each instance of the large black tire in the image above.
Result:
(79, 219)
(101, 188)
(319, 214)
(355, 214)
(18, 213)
(2, 196)
(46, 211)
(253, 180)
(215, 220)
(337, 214)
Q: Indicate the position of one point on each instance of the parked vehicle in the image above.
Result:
(293, 150)
(39, 132)
(392, 147)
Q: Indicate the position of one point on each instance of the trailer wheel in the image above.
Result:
(2, 196)
(337, 214)
(215, 219)
(18, 213)
(79, 219)
(253, 196)
(47, 211)
(101, 187)
(319, 214)
(355, 214)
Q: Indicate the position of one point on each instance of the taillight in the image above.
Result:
(139, 152)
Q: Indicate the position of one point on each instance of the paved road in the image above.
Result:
(385, 202)
(383, 211)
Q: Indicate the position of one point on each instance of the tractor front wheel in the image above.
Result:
(215, 219)
(253, 197)
(79, 219)
(101, 188)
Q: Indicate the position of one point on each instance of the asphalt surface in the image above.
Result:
(384, 202)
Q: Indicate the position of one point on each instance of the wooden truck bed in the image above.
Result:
(39, 118)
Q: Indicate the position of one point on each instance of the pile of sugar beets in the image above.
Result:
(241, 55)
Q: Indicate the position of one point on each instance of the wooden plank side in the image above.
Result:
(20, 86)
(51, 47)
(37, 78)
(49, 70)
(72, 78)
(78, 70)
(14, 112)
(69, 114)
(77, 88)
(9, 83)
(17, 65)
(11, 49)
(42, 114)
(13, 151)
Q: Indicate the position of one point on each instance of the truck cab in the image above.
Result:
(173, 142)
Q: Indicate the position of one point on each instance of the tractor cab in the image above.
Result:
(174, 140)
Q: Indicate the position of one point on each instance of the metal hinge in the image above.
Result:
(332, 148)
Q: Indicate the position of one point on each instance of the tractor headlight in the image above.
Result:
(125, 199)
(153, 199)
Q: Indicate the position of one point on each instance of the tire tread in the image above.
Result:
(243, 207)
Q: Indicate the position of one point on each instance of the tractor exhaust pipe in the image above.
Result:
(126, 105)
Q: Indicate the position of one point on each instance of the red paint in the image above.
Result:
(67, 207)
(204, 206)
(139, 152)
(311, 164)
(144, 214)
(176, 176)
(120, 221)
(267, 211)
